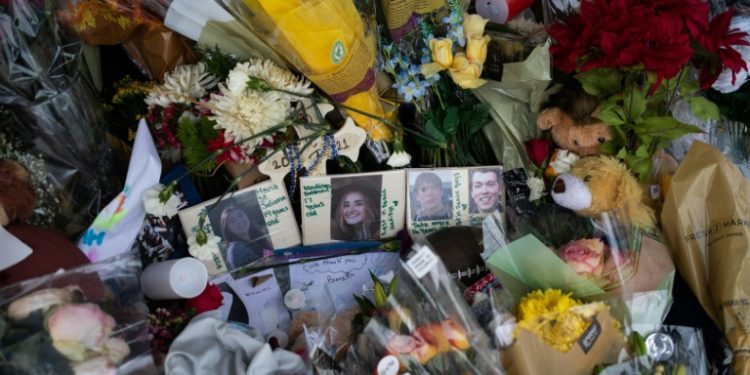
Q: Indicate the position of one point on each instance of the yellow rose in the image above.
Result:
(476, 48)
(466, 74)
(442, 56)
(474, 25)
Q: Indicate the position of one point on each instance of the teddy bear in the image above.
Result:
(597, 184)
(50, 250)
(570, 118)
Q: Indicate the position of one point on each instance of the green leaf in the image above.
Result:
(450, 122)
(621, 154)
(392, 286)
(380, 296)
(635, 102)
(438, 138)
(703, 108)
(607, 148)
(664, 127)
(601, 82)
(612, 114)
(365, 305)
(479, 117)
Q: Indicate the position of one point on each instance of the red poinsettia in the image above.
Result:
(720, 40)
(231, 154)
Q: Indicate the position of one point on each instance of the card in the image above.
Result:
(445, 197)
(353, 207)
(251, 223)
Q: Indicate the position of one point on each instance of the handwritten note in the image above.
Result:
(273, 203)
(458, 205)
(388, 211)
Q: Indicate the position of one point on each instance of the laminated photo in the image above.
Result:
(355, 207)
(445, 197)
(251, 223)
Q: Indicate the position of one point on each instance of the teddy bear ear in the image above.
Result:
(548, 118)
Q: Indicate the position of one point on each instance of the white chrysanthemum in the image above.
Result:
(536, 185)
(399, 159)
(246, 114)
(185, 83)
(205, 251)
(527, 28)
(563, 161)
(154, 206)
(276, 77)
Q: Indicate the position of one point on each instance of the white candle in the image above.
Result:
(172, 279)
(294, 299)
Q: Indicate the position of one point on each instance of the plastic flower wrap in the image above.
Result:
(90, 318)
(331, 43)
(423, 326)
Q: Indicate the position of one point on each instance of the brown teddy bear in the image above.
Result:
(570, 118)
(598, 184)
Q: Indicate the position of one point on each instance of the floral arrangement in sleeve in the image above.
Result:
(639, 58)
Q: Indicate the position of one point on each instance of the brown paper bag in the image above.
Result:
(600, 343)
(706, 221)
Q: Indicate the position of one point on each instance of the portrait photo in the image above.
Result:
(355, 208)
(430, 194)
(486, 190)
(239, 221)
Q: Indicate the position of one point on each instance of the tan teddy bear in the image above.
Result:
(598, 184)
(570, 118)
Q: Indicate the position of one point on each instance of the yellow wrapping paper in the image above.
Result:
(328, 42)
(401, 15)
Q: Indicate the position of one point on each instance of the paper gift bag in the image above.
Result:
(706, 221)
(600, 343)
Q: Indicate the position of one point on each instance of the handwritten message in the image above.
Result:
(427, 227)
(310, 200)
(388, 209)
(272, 203)
(338, 264)
(458, 205)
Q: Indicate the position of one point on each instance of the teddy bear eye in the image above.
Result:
(587, 179)
(575, 143)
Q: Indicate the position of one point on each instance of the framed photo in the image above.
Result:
(439, 198)
(251, 223)
(354, 207)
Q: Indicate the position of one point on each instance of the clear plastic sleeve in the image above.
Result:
(88, 317)
(423, 327)
(41, 82)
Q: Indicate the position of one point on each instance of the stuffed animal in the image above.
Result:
(598, 184)
(569, 116)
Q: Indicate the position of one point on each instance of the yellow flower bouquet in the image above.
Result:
(556, 331)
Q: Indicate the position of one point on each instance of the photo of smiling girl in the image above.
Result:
(355, 214)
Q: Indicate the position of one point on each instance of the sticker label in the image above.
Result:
(589, 337)
(422, 262)
(338, 51)
(655, 191)
(388, 365)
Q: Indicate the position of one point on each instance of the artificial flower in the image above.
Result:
(399, 158)
(538, 150)
(77, 328)
(209, 299)
(161, 201)
(182, 85)
(442, 57)
(247, 114)
(561, 161)
(265, 70)
(95, 366)
(476, 49)
(232, 152)
(723, 41)
(474, 25)
(413, 345)
(40, 300)
(203, 246)
(585, 256)
(466, 74)
(536, 185)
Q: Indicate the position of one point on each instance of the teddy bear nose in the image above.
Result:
(601, 139)
(559, 186)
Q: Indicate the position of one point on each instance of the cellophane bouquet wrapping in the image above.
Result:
(331, 42)
(90, 319)
(423, 326)
(41, 82)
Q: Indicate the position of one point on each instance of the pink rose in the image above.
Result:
(77, 328)
(585, 256)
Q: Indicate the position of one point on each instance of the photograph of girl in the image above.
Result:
(240, 224)
(355, 214)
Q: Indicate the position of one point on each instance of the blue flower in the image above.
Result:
(403, 63)
(454, 18)
(411, 91)
(390, 66)
(457, 34)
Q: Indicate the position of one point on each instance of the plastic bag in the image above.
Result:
(89, 317)
(41, 81)
(423, 327)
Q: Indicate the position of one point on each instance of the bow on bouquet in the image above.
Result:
(639, 59)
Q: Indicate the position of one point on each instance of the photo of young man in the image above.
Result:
(486, 190)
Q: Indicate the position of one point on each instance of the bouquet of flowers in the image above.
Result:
(640, 58)
(442, 337)
(86, 320)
